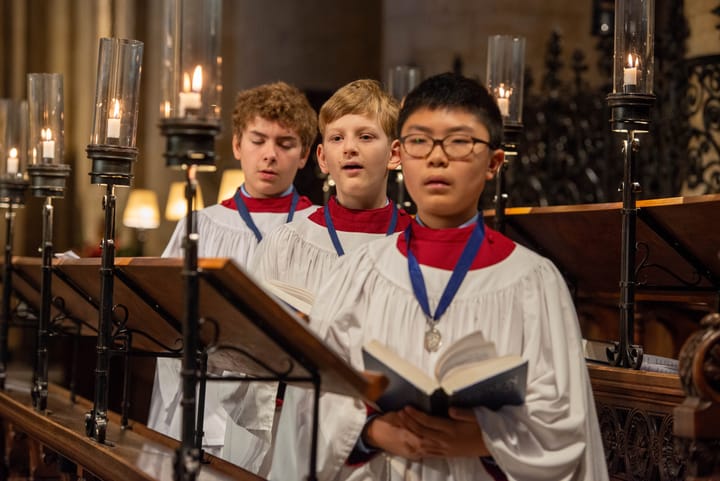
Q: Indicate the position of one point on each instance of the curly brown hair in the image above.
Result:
(278, 102)
(361, 97)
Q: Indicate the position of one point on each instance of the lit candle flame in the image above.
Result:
(116, 109)
(197, 79)
(46, 134)
(630, 61)
(13, 152)
(504, 93)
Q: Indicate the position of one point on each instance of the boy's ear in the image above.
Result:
(394, 155)
(236, 146)
(322, 162)
(496, 160)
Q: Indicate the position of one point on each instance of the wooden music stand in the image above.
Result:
(26, 285)
(584, 242)
(244, 329)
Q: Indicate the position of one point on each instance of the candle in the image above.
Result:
(113, 123)
(189, 99)
(630, 72)
(504, 106)
(503, 100)
(12, 162)
(48, 144)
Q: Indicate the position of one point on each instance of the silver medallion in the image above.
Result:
(433, 340)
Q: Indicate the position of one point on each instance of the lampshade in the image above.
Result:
(190, 81)
(231, 180)
(505, 71)
(141, 211)
(402, 79)
(177, 205)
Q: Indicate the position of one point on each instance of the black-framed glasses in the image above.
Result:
(455, 146)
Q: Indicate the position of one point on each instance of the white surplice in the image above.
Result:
(300, 253)
(521, 303)
(222, 233)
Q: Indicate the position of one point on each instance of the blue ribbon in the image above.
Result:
(333, 232)
(459, 272)
(245, 214)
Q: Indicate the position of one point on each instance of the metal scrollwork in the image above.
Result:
(644, 265)
(214, 347)
(703, 97)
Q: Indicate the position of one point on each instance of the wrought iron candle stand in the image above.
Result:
(401, 80)
(630, 114)
(47, 179)
(505, 77)
(190, 146)
(13, 186)
(113, 154)
(511, 138)
(630, 105)
(12, 196)
(190, 122)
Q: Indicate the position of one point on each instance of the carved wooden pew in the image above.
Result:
(697, 419)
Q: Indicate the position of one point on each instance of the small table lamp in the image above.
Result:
(176, 207)
(231, 180)
(141, 213)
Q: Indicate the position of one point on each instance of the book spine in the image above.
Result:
(439, 404)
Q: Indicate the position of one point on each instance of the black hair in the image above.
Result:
(453, 91)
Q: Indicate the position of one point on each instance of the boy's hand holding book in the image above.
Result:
(414, 435)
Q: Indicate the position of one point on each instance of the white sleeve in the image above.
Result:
(554, 435)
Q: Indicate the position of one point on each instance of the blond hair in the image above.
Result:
(361, 97)
(276, 102)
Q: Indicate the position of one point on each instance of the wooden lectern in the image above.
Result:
(244, 329)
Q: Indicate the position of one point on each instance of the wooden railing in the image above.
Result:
(131, 454)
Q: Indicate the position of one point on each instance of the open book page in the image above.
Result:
(406, 370)
(298, 298)
(465, 375)
(466, 350)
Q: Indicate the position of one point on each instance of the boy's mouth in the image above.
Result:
(351, 166)
(267, 173)
(436, 181)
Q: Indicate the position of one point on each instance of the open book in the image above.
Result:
(468, 373)
(296, 297)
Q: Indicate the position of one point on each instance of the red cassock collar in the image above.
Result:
(441, 248)
(271, 204)
(372, 221)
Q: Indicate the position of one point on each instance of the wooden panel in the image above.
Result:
(584, 241)
(142, 316)
(26, 280)
(635, 411)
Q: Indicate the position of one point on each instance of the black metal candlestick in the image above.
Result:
(12, 191)
(190, 145)
(630, 114)
(47, 180)
(111, 166)
(511, 138)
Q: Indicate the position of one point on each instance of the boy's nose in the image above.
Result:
(349, 146)
(269, 153)
(437, 156)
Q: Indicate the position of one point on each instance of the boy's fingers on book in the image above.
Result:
(424, 425)
(460, 414)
